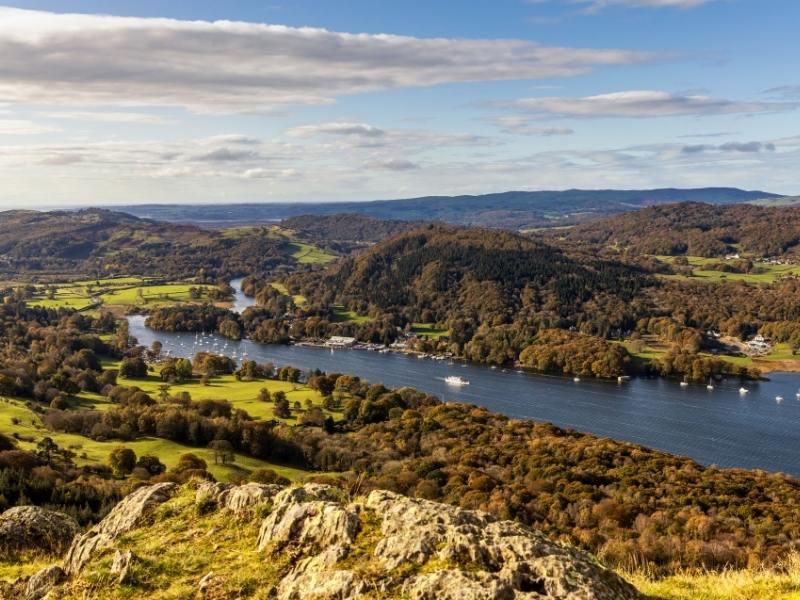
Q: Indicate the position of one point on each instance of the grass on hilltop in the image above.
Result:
(782, 583)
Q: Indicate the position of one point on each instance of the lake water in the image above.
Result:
(719, 426)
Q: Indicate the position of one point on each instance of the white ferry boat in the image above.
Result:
(456, 380)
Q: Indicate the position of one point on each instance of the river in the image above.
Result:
(719, 426)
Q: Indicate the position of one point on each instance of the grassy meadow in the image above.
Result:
(342, 315)
(123, 291)
(298, 299)
(429, 330)
(308, 254)
(700, 270)
(16, 418)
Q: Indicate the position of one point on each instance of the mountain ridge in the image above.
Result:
(510, 209)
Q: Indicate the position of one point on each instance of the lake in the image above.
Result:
(719, 426)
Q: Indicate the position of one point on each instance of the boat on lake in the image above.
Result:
(455, 380)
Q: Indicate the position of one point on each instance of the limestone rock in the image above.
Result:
(122, 518)
(316, 577)
(458, 585)
(505, 558)
(237, 498)
(315, 523)
(250, 494)
(122, 563)
(460, 554)
(40, 584)
(125, 515)
(33, 528)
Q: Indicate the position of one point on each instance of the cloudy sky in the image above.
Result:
(205, 101)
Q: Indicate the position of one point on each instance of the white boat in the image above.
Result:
(684, 384)
(744, 390)
(576, 379)
(455, 380)
(778, 398)
(709, 387)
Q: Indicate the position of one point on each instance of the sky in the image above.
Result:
(105, 103)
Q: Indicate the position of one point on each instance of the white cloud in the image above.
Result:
(786, 91)
(24, 127)
(599, 4)
(392, 164)
(337, 128)
(520, 125)
(641, 104)
(226, 66)
(746, 147)
(596, 5)
(110, 117)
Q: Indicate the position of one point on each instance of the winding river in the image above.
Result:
(719, 426)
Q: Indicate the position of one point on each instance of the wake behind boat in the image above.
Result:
(455, 380)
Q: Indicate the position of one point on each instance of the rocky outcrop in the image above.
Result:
(318, 544)
(122, 518)
(237, 498)
(25, 528)
(306, 516)
(422, 550)
(40, 584)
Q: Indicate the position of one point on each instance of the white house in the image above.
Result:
(340, 341)
(759, 343)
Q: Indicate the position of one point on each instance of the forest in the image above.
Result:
(692, 228)
(101, 243)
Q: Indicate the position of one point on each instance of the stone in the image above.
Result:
(123, 517)
(243, 497)
(316, 577)
(24, 528)
(42, 582)
(237, 498)
(306, 516)
(121, 565)
(505, 559)
(458, 585)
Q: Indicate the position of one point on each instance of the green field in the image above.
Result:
(298, 299)
(340, 315)
(89, 451)
(429, 330)
(241, 394)
(308, 254)
(698, 263)
(649, 349)
(123, 291)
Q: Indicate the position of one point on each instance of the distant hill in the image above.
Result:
(103, 242)
(696, 229)
(441, 272)
(349, 228)
(509, 210)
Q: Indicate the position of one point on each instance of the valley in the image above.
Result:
(599, 366)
